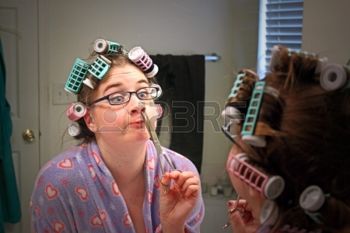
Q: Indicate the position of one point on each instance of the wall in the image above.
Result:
(326, 29)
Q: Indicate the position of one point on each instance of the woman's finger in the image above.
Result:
(165, 183)
(192, 191)
(190, 181)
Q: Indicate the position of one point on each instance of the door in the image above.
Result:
(18, 33)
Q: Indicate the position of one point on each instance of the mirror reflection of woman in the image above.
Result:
(289, 161)
(113, 181)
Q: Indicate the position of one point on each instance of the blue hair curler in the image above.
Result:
(252, 117)
(236, 85)
(100, 67)
(76, 76)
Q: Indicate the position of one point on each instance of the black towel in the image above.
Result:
(182, 79)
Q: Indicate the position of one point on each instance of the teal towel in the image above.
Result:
(10, 208)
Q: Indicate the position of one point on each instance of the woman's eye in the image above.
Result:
(117, 98)
(143, 94)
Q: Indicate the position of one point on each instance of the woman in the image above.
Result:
(116, 180)
(289, 162)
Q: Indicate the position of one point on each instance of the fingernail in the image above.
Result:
(230, 203)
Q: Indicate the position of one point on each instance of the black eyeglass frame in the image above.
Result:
(138, 93)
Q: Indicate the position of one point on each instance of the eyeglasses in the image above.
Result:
(118, 98)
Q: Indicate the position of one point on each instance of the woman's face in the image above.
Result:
(120, 123)
(254, 198)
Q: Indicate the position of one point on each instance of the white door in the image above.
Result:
(19, 36)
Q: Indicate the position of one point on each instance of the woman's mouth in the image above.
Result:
(137, 124)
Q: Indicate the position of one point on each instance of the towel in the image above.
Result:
(182, 79)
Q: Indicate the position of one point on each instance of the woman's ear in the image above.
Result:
(90, 121)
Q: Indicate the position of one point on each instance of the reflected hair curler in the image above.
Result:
(97, 69)
(76, 111)
(139, 57)
(102, 46)
(74, 129)
(76, 76)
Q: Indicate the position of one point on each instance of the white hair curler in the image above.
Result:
(333, 77)
(74, 129)
(312, 198)
(269, 213)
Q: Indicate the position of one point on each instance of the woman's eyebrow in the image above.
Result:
(143, 81)
(113, 85)
(119, 84)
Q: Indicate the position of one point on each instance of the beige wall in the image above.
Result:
(326, 29)
(67, 29)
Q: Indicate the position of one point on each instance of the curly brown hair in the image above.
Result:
(307, 130)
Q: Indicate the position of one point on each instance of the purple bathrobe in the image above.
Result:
(75, 192)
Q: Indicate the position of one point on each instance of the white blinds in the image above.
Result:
(281, 22)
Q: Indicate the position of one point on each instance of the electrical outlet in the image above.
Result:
(61, 96)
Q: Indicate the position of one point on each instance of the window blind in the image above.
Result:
(281, 23)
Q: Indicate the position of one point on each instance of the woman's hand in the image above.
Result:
(241, 218)
(179, 192)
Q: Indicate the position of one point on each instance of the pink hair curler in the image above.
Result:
(138, 56)
(75, 111)
(271, 187)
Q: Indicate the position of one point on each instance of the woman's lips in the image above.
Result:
(137, 124)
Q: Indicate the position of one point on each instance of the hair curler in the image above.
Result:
(158, 88)
(74, 129)
(102, 46)
(252, 117)
(75, 111)
(159, 110)
(269, 213)
(333, 77)
(237, 84)
(271, 187)
(311, 200)
(138, 56)
(232, 119)
(76, 76)
(100, 67)
(230, 113)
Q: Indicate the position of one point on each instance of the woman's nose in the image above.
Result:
(136, 105)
